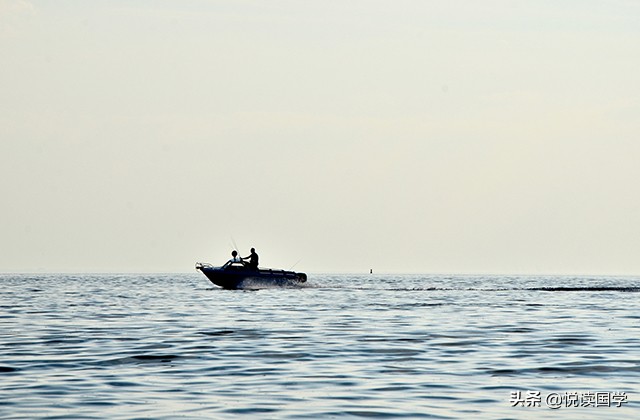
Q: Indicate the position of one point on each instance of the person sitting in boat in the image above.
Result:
(253, 260)
(234, 259)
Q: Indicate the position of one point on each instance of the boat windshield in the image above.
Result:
(234, 265)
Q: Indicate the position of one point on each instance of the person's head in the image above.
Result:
(253, 250)
(234, 253)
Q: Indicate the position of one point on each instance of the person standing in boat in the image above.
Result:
(253, 260)
(234, 259)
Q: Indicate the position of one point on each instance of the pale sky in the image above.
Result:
(404, 136)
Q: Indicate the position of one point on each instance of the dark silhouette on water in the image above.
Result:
(238, 274)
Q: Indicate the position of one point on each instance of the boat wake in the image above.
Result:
(587, 289)
(494, 289)
(258, 284)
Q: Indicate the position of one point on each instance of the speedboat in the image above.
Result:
(238, 276)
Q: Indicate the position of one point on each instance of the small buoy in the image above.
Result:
(371, 271)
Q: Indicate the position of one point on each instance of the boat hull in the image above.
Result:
(245, 278)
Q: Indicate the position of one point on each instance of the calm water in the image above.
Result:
(167, 346)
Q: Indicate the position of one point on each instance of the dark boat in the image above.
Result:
(238, 276)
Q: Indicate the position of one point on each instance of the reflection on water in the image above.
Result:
(163, 346)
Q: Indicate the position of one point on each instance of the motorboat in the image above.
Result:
(239, 276)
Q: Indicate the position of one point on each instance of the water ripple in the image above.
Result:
(406, 346)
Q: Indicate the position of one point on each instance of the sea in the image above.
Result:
(167, 346)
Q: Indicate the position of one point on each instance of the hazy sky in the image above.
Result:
(404, 136)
